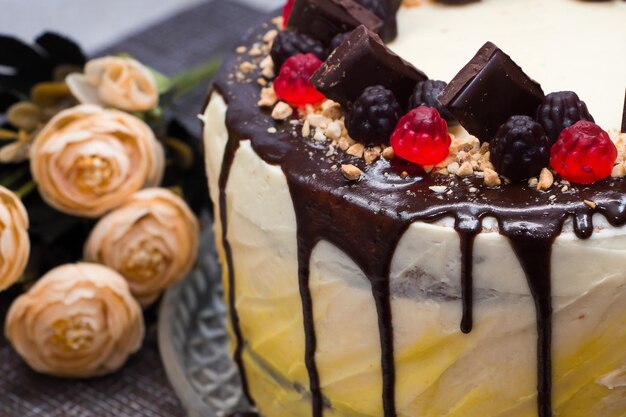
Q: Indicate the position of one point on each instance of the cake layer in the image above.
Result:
(386, 297)
(440, 370)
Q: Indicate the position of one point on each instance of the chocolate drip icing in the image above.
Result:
(467, 228)
(366, 220)
(227, 162)
(316, 208)
(533, 247)
(310, 339)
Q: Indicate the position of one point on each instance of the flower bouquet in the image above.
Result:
(100, 189)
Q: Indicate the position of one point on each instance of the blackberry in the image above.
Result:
(373, 116)
(560, 111)
(385, 11)
(336, 41)
(287, 44)
(520, 149)
(425, 93)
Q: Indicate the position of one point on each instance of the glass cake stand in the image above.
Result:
(194, 342)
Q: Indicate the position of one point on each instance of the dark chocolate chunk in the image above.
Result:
(323, 19)
(488, 90)
(624, 115)
(387, 13)
(363, 61)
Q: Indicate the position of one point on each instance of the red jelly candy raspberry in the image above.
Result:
(422, 137)
(583, 153)
(292, 84)
(287, 11)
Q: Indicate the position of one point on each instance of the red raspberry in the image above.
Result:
(292, 83)
(287, 11)
(583, 153)
(422, 137)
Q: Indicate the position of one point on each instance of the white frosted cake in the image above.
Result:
(360, 283)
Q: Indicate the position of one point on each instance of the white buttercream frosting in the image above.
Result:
(440, 372)
(563, 44)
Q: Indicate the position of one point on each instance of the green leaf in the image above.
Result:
(163, 82)
(187, 80)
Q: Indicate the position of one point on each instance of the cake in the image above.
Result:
(482, 283)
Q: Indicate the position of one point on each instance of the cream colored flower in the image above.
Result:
(152, 240)
(14, 241)
(118, 82)
(77, 321)
(88, 160)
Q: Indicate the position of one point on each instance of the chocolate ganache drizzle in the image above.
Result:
(378, 209)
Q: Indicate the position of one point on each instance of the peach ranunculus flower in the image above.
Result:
(88, 160)
(152, 240)
(78, 321)
(118, 82)
(14, 240)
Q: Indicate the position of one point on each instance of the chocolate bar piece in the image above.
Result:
(362, 61)
(488, 90)
(386, 10)
(624, 115)
(323, 19)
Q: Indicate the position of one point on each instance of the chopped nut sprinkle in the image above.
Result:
(267, 67)
(319, 135)
(590, 203)
(356, 150)
(491, 178)
(282, 111)
(246, 67)
(438, 189)
(453, 168)
(255, 51)
(619, 171)
(270, 35)
(350, 172)
(465, 170)
(371, 155)
(345, 143)
(333, 131)
(546, 179)
(268, 97)
(388, 153)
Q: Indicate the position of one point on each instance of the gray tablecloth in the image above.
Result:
(141, 388)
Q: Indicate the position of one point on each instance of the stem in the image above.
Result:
(26, 189)
(177, 189)
(12, 178)
(187, 80)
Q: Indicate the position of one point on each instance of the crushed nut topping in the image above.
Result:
(351, 172)
(325, 122)
(356, 150)
(590, 204)
(268, 97)
(282, 111)
(491, 178)
(388, 153)
(546, 179)
(371, 155)
(438, 189)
